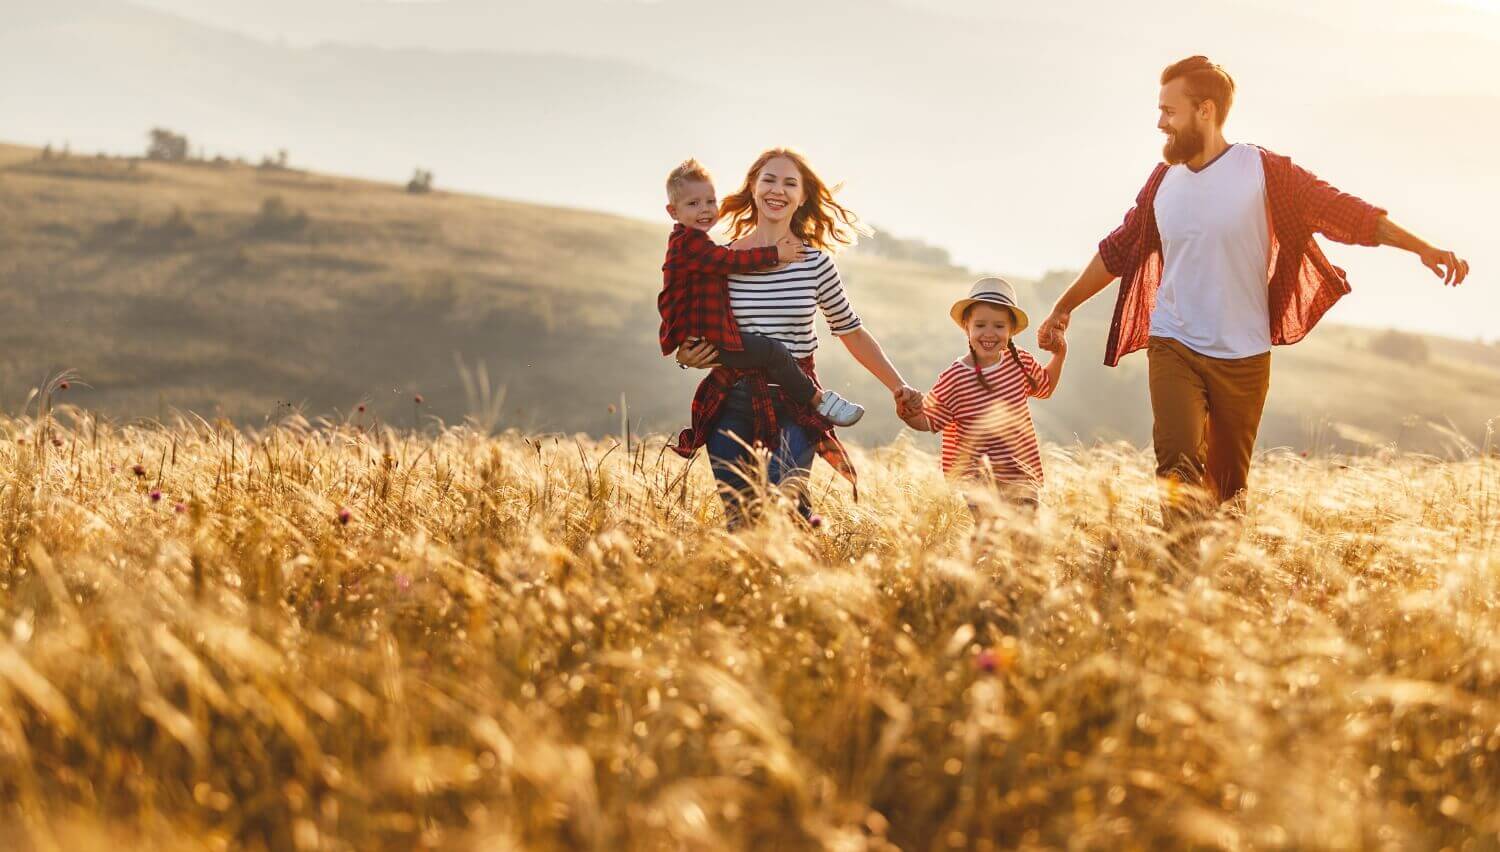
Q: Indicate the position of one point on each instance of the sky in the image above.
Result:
(1015, 135)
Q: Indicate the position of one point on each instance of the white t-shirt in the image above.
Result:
(1216, 255)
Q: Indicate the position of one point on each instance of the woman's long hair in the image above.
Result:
(820, 221)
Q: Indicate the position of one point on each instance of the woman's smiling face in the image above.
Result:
(778, 190)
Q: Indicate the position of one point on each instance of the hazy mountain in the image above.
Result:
(1013, 135)
(534, 124)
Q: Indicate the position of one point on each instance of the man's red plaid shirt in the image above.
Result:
(1303, 283)
(694, 298)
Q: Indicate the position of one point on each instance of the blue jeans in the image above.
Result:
(731, 459)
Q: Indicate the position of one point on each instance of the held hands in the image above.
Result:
(908, 401)
(1055, 344)
(789, 249)
(1049, 335)
(909, 407)
(1445, 265)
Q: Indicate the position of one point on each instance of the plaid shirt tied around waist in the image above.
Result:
(1303, 283)
(765, 400)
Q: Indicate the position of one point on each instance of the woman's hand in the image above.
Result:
(698, 354)
(908, 402)
(909, 407)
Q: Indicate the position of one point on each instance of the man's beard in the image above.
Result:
(1183, 145)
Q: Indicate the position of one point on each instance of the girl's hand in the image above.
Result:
(1052, 330)
(918, 421)
(698, 354)
(1055, 344)
(908, 402)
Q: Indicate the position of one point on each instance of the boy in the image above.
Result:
(694, 300)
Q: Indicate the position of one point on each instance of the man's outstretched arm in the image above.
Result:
(1444, 264)
(1346, 219)
(1095, 277)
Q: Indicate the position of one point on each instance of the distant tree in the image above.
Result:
(282, 160)
(421, 181)
(47, 152)
(1400, 346)
(166, 145)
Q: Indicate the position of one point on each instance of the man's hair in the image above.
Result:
(689, 171)
(1206, 81)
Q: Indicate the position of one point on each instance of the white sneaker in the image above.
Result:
(839, 411)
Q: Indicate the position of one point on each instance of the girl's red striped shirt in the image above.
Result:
(990, 424)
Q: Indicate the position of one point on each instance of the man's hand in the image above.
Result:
(698, 353)
(1049, 335)
(789, 249)
(1445, 265)
(1055, 343)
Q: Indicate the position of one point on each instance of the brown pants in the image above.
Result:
(1207, 412)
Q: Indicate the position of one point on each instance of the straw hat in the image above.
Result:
(994, 291)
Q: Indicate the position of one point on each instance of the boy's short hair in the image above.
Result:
(689, 171)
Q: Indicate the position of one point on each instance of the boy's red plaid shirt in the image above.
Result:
(694, 298)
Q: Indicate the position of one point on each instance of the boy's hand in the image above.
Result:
(789, 249)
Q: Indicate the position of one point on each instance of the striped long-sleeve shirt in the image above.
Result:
(782, 303)
(991, 423)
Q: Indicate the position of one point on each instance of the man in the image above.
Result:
(1218, 263)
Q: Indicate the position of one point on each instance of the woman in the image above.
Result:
(735, 409)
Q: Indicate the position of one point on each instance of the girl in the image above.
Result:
(980, 402)
(782, 195)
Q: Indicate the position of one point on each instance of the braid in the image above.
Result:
(978, 373)
(1016, 356)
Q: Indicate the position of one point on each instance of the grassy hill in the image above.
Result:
(237, 291)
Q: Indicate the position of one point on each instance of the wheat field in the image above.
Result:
(340, 636)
